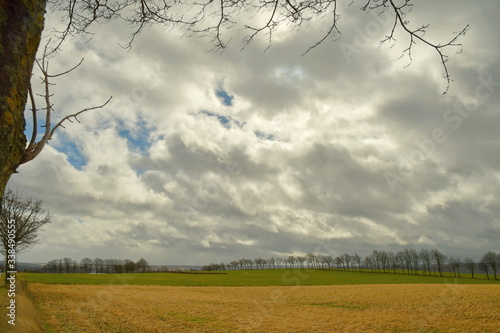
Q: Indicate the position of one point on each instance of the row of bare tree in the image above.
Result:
(97, 265)
(407, 261)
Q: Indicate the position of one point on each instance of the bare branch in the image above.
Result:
(35, 122)
(219, 25)
(269, 25)
(34, 148)
(74, 115)
(213, 17)
(293, 7)
(417, 34)
(69, 70)
(333, 29)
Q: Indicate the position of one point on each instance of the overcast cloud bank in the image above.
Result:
(205, 157)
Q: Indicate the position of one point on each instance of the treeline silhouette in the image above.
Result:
(97, 265)
(407, 261)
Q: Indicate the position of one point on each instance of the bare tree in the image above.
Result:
(118, 266)
(483, 265)
(357, 259)
(52, 266)
(129, 266)
(325, 260)
(471, 265)
(492, 260)
(338, 261)
(280, 261)
(342, 261)
(377, 259)
(400, 258)
(99, 265)
(291, 260)
(301, 261)
(408, 260)
(384, 260)
(21, 220)
(455, 264)
(329, 260)
(67, 262)
(458, 265)
(321, 260)
(108, 265)
(74, 266)
(20, 39)
(439, 259)
(415, 260)
(346, 260)
(426, 257)
(393, 262)
(271, 262)
(143, 265)
(86, 265)
(369, 262)
(310, 259)
(60, 266)
(249, 263)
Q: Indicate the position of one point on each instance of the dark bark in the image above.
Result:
(21, 25)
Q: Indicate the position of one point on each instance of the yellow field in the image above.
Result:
(345, 308)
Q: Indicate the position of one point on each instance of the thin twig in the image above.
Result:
(74, 115)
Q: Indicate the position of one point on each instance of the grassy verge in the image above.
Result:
(278, 277)
(4, 301)
(26, 319)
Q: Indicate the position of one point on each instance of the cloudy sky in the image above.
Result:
(207, 157)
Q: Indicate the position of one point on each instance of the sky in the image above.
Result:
(205, 156)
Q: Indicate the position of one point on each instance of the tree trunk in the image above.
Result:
(21, 25)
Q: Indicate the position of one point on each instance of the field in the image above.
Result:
(280, 277)
(342, 308)
(298, 300)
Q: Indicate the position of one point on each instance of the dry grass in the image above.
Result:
(360, 308)
(27, 319)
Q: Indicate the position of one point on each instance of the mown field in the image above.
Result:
(278, 277)
(293, 300)
(341, 308)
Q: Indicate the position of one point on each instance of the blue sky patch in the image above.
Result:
(225, 121)
(73, 153)
(226, 99)
(138, 138)
(264, 136)
(222, 119)
(63, 143)
(28, 129)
